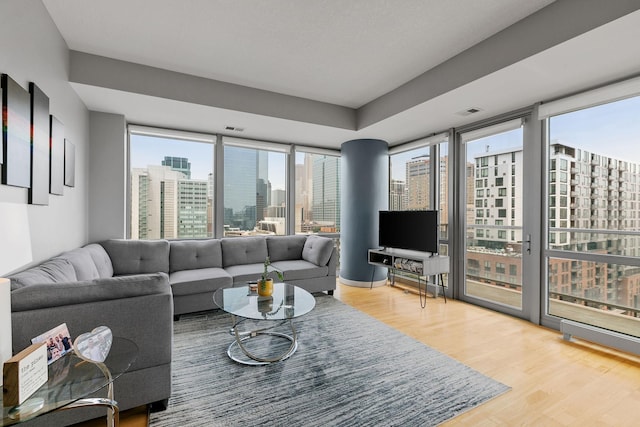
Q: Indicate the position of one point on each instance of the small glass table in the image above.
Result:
(72, 380)
(286, 303)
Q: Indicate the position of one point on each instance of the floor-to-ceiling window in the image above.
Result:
(171, 184)
(499, 169)
(419, 180)
(255, 196)
(494, 215)
(317, 191)
(593, 250)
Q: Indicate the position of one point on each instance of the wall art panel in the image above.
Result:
(16, 120)
(69, 164)
(39, 190)
(56, 182)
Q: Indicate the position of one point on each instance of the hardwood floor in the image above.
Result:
(554, 382)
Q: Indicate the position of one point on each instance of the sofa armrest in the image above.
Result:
(333, 262)
(58, 294)
(139, 308)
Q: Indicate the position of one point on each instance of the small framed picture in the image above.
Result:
(58, 341)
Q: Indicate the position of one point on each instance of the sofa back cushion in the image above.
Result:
(283, 248)
(137, 256)
(55, 270)
(317, 249)
(194, 254)
(82, 263)
(243, 250)
(100, 259)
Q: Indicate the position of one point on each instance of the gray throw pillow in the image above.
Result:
(317, 250)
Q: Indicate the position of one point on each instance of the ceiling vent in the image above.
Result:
(469, 111)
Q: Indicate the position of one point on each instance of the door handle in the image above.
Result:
(528, 242)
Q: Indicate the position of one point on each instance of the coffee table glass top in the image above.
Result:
(72, 379)
(286, 302)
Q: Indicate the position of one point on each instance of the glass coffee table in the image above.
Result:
(286, 303)
(72, 380)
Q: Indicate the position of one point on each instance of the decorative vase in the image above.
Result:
(265, 287)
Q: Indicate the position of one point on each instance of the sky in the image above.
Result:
(612, 130)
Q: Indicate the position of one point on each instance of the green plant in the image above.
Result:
(265, 273)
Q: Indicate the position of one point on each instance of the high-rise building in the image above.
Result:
(587, 191)
(278, 198)
(155, 189)
(498, 198)
(180, 164)
(397, 195)
(166, 204)
(192, 208)
(326, 192)
(247, 190)
(417, 182)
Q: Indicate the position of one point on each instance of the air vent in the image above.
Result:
(469, 111)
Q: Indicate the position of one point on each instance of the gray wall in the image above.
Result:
(107, 186)
(32, 50)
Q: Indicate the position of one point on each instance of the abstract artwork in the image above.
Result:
(16, 168)
(69, 164)
(56, 181)
(39, 189)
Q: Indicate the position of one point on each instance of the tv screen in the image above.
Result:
(413, 230)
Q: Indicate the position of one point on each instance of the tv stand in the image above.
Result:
(419, 264)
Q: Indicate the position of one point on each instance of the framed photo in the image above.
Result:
(58, 342)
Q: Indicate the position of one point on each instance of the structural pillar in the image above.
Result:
(364, 192)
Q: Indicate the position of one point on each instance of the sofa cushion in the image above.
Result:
(138, 256)
(187, 282)
(300, 269)
(243, 250)
(55, 270)
(248, 272)
(317, 250)
(285, 247)
(100, 259)
(194, 254)
(82, 263)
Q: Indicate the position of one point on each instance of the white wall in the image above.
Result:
(32, 50)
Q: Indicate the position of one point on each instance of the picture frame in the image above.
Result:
(56, 156)
(69, 164)
(40, 162)
(16, 146)
(58, 342)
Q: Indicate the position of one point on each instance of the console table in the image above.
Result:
(72, 380)
(419, 264)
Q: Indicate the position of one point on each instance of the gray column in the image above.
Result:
(364, 192)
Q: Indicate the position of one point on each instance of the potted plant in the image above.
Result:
(265, 284)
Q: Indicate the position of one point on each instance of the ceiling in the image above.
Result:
(359, 54)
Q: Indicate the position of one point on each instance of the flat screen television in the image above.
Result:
(413, 230)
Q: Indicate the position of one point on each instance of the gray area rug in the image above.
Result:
(349, 370)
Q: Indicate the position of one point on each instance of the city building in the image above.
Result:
(326, 192)
(168, 205)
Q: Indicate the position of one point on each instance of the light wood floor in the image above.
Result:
(554, 383)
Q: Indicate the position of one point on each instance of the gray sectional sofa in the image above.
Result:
(135, 287)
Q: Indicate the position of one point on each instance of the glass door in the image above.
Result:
(499, 266)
